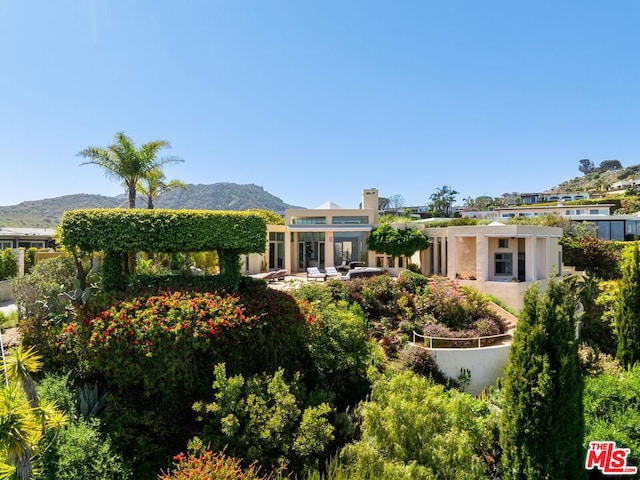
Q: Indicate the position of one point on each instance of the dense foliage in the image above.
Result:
(296, 365)
(265, 419)
(397, 242)
(41, 298)
(8, 266)
(542, 426)
(612, 410)
(628, 308)
(589, 252)
(413, 429)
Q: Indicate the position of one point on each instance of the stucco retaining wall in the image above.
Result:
(485, 364)
(5, 291)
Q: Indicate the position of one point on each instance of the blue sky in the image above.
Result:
(317, 100)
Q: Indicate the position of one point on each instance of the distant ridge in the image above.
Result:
(218, 196)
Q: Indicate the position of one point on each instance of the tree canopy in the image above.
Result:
(586, 166)
(397, 242)
(541, 429)
(442, 200)
(125, 162)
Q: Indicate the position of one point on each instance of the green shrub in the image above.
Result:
(29, 259)
(163, 344)
(595, 255)
(380, 296)
(612, 410)
(55, 388)
(41, 302)
(264, 420)
(412, 428)
(453, 306)
(81, 451)
(340, 351)
(421, 362)
(8, 266)
(411, 281)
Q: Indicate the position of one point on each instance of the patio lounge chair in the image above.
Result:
(332, 272)
(271, 276)
(313, 272)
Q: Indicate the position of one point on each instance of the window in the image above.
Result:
(504, 263)
(309, 221)
(594, 211)
(353, 220)
(276, 236)
(503, 243)
(31, 244)
(6, 244)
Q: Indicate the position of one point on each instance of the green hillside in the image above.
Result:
(599, 181)
(218, 196)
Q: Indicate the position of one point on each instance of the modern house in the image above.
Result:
(503, 260)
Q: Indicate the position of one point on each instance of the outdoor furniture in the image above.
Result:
(332, 272)
(362, 272)
(313, 272)
(270, 276)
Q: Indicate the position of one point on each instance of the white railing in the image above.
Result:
(454, 339)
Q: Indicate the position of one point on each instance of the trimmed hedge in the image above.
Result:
(158, 230)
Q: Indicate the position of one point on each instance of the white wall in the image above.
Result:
(485, 364)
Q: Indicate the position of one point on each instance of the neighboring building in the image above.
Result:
(558, 209)
(622, 186)
(26, 237)
(612, 227)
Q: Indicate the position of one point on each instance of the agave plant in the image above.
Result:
(89, 401)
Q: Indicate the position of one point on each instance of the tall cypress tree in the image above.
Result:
(541, 427)
(628, 309)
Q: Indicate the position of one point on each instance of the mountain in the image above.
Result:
(218, 196)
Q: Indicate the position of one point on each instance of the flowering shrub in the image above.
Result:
(203, 464)
(159, 342)
(156, 356)
(455, 307)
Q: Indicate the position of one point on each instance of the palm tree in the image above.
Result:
(154, 184)
(442, 200)
(125, 162)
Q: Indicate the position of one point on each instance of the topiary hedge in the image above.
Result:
(118, 231)
(133, 230)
